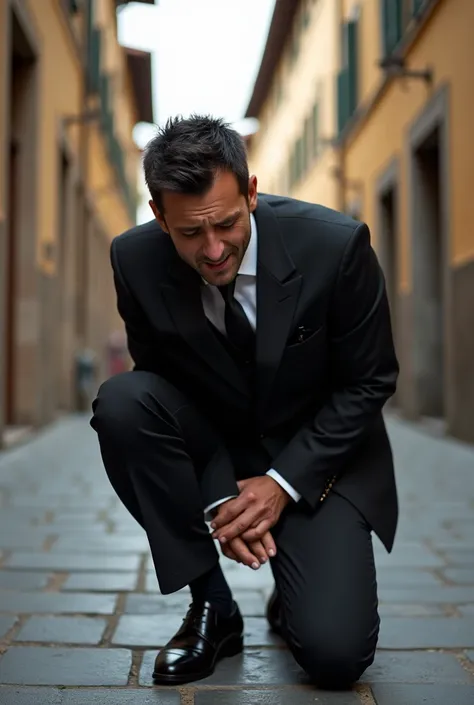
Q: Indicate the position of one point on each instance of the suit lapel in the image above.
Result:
(183, 300)
(278, 287)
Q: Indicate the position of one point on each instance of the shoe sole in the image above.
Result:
(231, 647)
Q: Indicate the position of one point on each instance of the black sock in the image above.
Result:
(212, 587)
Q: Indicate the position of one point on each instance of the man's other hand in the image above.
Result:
(252, 554)
(253, 513)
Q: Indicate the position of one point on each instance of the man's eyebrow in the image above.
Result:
(229, 218)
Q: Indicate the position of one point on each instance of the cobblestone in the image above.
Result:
(81, 615)
(65, 630)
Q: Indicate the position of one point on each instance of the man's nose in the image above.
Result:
(213, 248)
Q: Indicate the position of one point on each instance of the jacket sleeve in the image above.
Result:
(364, 368)
(143, 350)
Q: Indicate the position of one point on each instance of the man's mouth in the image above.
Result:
(217, 265)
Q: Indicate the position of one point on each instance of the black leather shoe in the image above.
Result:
(274, 617)
(203, 639)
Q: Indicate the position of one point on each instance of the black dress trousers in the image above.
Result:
(155, 444)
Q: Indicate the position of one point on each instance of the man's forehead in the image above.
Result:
(209, 214)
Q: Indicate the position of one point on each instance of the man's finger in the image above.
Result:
(258, 549)
(257, 532)
(238, 526)
(229, 553)
(269, 544)
(229, 512)
(243, 553)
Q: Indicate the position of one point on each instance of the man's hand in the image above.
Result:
(253, 513)
(253, 554)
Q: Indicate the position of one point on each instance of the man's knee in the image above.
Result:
(123, 402)
(331, 660)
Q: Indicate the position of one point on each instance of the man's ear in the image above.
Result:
(158, 216)
(253, 195)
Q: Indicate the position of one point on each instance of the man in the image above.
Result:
(261, 337)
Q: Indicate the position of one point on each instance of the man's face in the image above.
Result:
(211, 232)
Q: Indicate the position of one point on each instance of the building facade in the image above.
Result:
(294, 101)
(70, 96)
(406, 100)
(404, 157)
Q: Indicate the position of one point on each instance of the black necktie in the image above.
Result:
(239, 331)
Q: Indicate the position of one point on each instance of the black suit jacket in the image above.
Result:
(325, 357)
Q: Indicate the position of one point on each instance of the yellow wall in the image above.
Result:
(60, 94)
(300, 83)
(445, 45)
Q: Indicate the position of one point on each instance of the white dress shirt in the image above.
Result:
(246, 294)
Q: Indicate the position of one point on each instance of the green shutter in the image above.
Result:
(342, 99)
(315, 130)
(352, 66)
(104, 99)
(94, 60)
(392, 24)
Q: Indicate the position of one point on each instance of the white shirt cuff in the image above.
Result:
(283, 483)
(207, 512)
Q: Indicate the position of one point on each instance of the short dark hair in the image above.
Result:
(185, 155)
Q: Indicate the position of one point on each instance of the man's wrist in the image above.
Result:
(289, 490)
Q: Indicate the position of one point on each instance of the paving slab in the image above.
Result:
(393, 577)
(23, 580)
(37, 665)
(29, 696)
(251, 603)
(106, 544)
(51, 602)
(101, 582)
(407, 555)
(412, 694)
(87, 696)
(429, 633)
(62, 630)
(446, 594)
(6, 623)
(416, 667)
(156, 630)
(430, 610)
(14, 541)
(462, 576)
(176, 603)
(275, 697)
(461, 556)
(73, 562)
(137, 696)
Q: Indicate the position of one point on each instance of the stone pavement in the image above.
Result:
(81, 617)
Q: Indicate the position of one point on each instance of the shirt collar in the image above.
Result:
(249, 262)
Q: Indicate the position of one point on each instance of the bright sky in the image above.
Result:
(206, 53)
